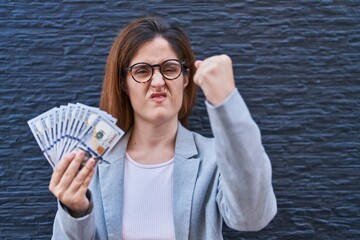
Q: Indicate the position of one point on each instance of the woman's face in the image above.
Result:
(158, 100)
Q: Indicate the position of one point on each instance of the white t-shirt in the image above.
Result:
(148, 195)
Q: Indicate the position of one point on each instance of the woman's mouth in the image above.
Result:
(158, 97)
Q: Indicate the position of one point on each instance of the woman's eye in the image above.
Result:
(141, 71)
(169, 69)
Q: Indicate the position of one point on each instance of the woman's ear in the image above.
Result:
(124, 88)
(186, 77)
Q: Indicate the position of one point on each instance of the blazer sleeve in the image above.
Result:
(67, 227)
(245, 197)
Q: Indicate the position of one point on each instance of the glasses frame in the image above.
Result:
(152, 66)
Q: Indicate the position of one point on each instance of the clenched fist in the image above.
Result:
(215, 77)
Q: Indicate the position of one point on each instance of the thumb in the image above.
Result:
(198, 63)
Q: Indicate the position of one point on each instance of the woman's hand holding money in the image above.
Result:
(69, 184)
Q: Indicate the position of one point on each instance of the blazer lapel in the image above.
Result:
(112, 187)
(186, 167)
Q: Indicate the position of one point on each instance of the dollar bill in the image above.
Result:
(63, 129)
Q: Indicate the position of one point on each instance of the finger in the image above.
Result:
(72, 170)
(83, 174)
(199, 74)
(198, 63)
(60, 169)
(85, 185)
(196, 76)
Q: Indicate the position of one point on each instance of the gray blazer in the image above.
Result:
(227, 177)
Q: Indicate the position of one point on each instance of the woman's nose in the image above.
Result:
(157, 79)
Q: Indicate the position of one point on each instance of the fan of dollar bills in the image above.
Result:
(75, 126)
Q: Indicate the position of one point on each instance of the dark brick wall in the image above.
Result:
(297, 64)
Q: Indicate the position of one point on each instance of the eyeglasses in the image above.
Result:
(142, 72)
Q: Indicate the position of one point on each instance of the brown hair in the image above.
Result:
(114, 99)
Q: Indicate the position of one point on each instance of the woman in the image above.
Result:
(162, 181)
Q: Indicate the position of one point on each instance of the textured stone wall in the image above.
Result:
(297, 65)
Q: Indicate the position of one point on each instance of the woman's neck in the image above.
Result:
(151, 144)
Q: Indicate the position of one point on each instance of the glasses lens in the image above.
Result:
(141, 72)
(171, 69)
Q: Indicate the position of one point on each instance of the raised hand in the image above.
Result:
(215, 77)
(69, 184)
